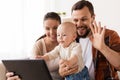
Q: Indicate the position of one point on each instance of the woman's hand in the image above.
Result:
(10, 76)
(64, 70)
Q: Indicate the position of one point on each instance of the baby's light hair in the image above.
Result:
(70, 26)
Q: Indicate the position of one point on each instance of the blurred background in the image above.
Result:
(21, 21)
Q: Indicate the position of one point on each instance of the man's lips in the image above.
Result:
(83, 27)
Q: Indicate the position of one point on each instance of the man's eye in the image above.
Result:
(83, 19)
(55, 27)
(75, 20)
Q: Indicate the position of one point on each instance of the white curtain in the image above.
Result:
(21, 22)
(20, 25)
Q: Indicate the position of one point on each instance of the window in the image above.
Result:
(21, 22)
(20, 25)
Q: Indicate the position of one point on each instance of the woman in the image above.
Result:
(45, 44)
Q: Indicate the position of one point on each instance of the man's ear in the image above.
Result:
(93, 18)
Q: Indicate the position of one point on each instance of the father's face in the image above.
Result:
(82, 19)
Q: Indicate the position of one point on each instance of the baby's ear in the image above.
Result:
(75, 36)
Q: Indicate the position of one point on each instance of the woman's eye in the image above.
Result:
(47, 28)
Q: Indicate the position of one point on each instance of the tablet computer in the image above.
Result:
(28, 69)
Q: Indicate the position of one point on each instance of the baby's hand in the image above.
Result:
(45, 57)
(38, 57)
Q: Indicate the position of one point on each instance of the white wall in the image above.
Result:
(11, 27)
(21, 21)
(20, 25)
(107, 11)
(64, 6)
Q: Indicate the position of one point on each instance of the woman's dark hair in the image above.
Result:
(50, 15)
(41, 37)
(81, 4)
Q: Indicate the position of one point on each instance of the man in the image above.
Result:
(100, 46)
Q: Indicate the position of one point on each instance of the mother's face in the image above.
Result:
(50, 26)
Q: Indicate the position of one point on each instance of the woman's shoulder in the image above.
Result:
(39, 47)
(39, 44)
(40, 41)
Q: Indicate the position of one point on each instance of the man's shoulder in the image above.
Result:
(109, 32)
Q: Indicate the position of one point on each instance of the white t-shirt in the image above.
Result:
(87, 55)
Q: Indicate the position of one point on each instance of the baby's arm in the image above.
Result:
(50, 55)
(45, 57)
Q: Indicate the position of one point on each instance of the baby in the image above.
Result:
(69, 50)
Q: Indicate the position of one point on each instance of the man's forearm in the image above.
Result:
(112, 56)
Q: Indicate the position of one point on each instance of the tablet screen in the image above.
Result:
(28, 69)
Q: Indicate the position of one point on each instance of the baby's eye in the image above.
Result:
(64, 34)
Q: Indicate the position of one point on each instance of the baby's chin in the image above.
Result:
(64, 46)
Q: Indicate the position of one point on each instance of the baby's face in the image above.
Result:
(65, 36)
